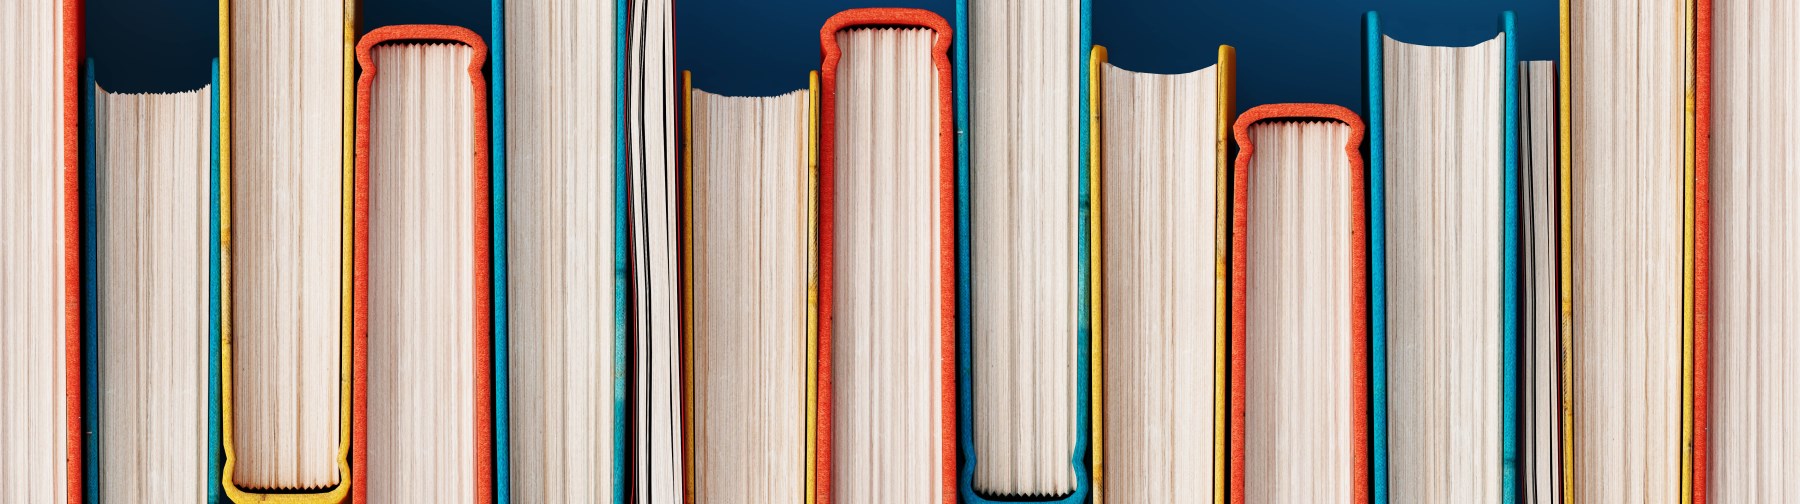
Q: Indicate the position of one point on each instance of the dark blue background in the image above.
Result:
(1288, 50)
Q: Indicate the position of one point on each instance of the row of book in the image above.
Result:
(967, 261)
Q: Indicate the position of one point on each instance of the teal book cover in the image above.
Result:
(91, 420)
(968, 457)
(1376, 106)
(621, 256)
(497, 220)
(215, 447)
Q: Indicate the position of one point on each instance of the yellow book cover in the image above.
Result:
(1226, 94)
(1227, 97)
(1097, 458)
(687, 285)
(1565, 249)
(812, 283)
(341, 491)
(1697, 62)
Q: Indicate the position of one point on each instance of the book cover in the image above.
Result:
(812, 291)
(1509, 288)
(497, 222)
(90, 310)
(845, 20)
(223, 142)
(215, 447)
(687, 230)
(1086, 295)
(75, 135)
(497, 64)
(1359, 282)
(1565, 246)
(483, 355)
(1696, 247)
(90, 329)
(1698, 213)
(1226, 94)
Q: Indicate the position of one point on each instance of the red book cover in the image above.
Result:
(483, 311)
(1359, 285)
(71, 77)
(887, 17)
(1702, 239)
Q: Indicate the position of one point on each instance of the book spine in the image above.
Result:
(1695, 466)
(1227, 96)
(1084, 278)
(621, 256)
(89, 403)
(74, 351)
(1084, 282)
(1377, 186)
(215, 447)
(497, 219)
(481, 272)
(1509, 267)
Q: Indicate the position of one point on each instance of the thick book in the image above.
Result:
(748, 282)
(892, 257)
(422, 319)
(1024, 286)
(1160, 192)
(1649, 125)
(134, 327)
(1443, 141)
(1744, 142)
(285, 269)
(44, 289)
(1299, 307)
(566, 111)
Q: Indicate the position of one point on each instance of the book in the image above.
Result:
(1634, 247)
(886, 338)
(748, 284)
(1022, 259)
(422, 407)
(150, 229)
(1299, 294)
(285, 219)
(41, 284)
(1744, 184)
(563, 296)
(1443, 260)
(1541, 427)
(650, 151)
(1161, 207)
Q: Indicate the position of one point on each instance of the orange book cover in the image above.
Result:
(1359, 283)
(1702, 245)
(71, 120)
(887, 17)
(483, 376)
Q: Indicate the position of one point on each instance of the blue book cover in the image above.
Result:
(1084, 319)
(90, 314)
(621, 258)
(621, 255)
(215, 447)
(1509, 319)
(497, 221)
(90, 309)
